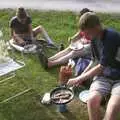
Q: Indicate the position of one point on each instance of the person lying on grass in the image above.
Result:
(106, 74)
(63, 56)
(21, 29)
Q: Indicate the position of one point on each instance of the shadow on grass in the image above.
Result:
(28, 107)
(69, 115)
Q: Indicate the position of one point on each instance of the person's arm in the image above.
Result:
(97, 70)
(11, 24)
(75, 37)
(31, 32)
(12, 33)
(15, 37)
(91, 65)
(88, 67)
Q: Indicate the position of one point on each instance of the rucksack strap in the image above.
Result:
(94, 49)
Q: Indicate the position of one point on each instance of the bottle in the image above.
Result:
(62, 108)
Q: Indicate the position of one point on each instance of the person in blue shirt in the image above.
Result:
(105, 46)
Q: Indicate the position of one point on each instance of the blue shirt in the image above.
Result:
(109, 55)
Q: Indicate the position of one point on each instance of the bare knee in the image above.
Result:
(94, 101)
(113, 108)
(114, 103)
(37, 30)
(40, 28)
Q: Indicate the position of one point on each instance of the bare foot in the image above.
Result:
(50, 64)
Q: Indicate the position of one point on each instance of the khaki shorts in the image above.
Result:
(105, 86)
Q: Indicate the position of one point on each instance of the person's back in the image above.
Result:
(109, 45)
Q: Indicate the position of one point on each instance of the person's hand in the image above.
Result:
(74, 40)
(70, 40)
(20, 42)
(74, 82)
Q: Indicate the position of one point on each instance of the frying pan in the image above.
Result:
(62, 89)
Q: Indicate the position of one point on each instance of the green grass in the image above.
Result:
(60, 25)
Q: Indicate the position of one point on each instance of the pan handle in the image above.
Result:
(66, 86)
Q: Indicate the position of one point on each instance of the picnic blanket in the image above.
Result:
(9, 66)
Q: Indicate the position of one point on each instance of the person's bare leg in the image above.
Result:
(63, 59)
(93, 105)
(60, 54)
(113, 108)
(68, 53)
(43, 32)
(37, 31)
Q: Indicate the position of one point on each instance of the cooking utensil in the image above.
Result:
(61, 95)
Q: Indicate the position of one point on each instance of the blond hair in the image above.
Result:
(88, 20)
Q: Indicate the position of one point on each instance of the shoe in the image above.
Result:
(52, 46)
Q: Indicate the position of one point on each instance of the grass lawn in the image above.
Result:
(60, 25)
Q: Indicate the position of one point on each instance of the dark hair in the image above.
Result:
(88, 20)
(21, 13)
(84, 10)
